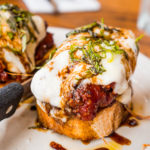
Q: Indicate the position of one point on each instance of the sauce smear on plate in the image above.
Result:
(120, 139)
(102, 148)
(130, 121)
(56, 146)
(86, 142)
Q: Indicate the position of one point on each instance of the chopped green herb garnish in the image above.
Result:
(14, 50)
(139, 38)
(12, 23)
(11, 35)
(0, 29)
(19, 20)
(52, 53)
(24, 42)
(87, 28)
(102, 22)
(102, 27)
(94, 57)
(38, 67)
(90, 56)
(73, 49)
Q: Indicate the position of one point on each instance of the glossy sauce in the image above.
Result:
(102, 148)
(86, 142)
(131, 122)
(33, 108)
(38, 126)
(56, 146)
(26, 101)
(120, 139)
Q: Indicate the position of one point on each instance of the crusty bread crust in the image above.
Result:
(105, 122)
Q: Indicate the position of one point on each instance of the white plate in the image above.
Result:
(15, 135)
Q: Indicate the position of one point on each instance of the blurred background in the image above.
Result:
(131, 14)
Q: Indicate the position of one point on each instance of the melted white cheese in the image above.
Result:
(129, 43)
(125, 97)
(115, 72)
(46, 82)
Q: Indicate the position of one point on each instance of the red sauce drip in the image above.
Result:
(120, 139)
(44, 46)
(89, 99)
(56, 146)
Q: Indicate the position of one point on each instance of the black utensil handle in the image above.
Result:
(10, 96)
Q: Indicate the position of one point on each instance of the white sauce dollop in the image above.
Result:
(46, 82)
(115, 72)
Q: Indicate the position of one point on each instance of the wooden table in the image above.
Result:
(121, 13)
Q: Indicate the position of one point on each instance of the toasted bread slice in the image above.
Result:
(105, 122)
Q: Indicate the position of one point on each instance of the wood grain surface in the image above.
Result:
(120, 13)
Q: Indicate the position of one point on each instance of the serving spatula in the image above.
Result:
(10, 96)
